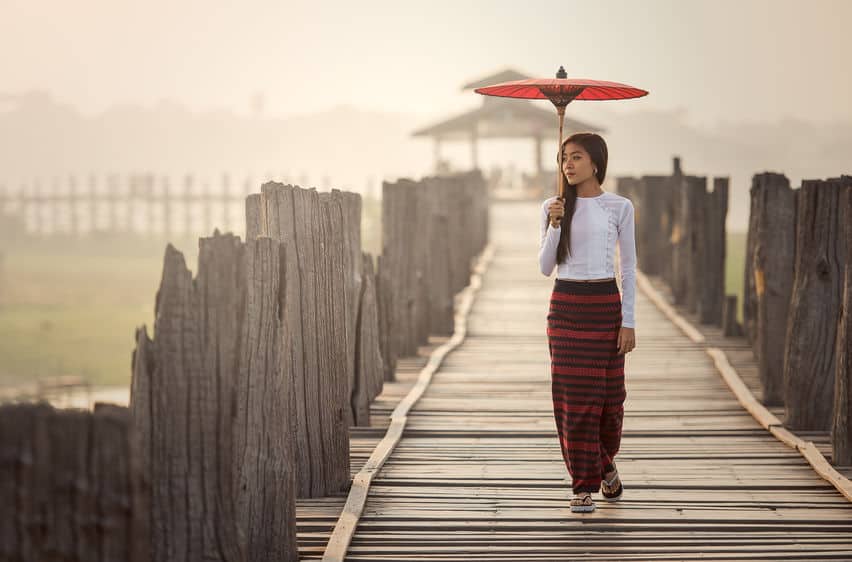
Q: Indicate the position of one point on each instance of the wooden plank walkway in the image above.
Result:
(478, 474)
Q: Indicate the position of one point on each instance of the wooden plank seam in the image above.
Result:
(744, 396)
(344, 529)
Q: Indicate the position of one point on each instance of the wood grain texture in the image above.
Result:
(72, 485)
(770, 262)
(841, 427)
(809, 352)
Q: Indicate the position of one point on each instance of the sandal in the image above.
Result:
(583, 502)
(610, 494)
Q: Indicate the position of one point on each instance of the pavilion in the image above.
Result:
(502, 118)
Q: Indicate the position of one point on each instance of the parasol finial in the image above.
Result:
(561, 72)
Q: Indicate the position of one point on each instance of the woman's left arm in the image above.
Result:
(627, 253)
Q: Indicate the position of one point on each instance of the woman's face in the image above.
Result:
(577, 165)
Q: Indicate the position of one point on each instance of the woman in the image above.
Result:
(590, 327)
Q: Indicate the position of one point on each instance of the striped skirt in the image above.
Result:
(587, 375)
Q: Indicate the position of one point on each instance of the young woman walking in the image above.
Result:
(590, 327)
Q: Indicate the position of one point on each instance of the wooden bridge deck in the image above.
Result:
(478, 475)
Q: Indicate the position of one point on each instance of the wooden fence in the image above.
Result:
(680, 236)
(243, 398)
(71, 486)
(797, 302)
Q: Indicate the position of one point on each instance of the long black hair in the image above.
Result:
(594, 144)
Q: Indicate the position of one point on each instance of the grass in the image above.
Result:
(735, 268)
(64, 311)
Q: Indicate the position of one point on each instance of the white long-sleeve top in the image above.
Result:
(597, 224)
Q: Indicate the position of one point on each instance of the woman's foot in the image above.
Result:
(611, 486)
(582, 502)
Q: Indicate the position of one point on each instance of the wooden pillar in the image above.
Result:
(206, 203)
(53, 201)
(148, 205)
(132, 202)
(187, 197)
(73, 207)
(841, 429)
(167, 198)
(92, 196)
(212, 400)
(72, 485)
(768, 283)
(712, 255)
(111, 197)
(308, 227)
(37, 197)
(810, 354)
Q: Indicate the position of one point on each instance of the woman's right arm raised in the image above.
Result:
(548, 243)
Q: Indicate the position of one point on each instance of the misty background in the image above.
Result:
(328, 94)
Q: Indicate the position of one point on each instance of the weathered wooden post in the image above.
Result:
(309, 230)
(336, 336)
(439, 272)
(419, 241)
(71, 485)
(184, 413)
(809, 352)
(168, 212)
(112, 197)
(385, 292)
(654, 224)
(73, 207)
(396, 256)
(148, 204)
(693, 199)
(187, 197)
(672, 209)
(51, 204)
(369, 370)
(35, 199)
(768, 282)
(132, 202)
(841, 428)
(92, 200)
(212, 399)
(711, 290)
(265, 432)
(205, 203)
(350, 231)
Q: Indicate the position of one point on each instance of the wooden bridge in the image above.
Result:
(297, 404)
(476, 472)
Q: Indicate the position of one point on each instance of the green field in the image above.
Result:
(735, 268)
(72, 310)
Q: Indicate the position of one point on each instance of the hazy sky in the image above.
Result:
(730, 60)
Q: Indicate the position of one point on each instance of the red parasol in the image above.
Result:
(562, 91)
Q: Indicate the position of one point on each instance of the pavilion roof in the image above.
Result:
(499, 117)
